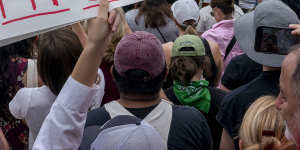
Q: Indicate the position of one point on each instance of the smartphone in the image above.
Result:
(273, 40)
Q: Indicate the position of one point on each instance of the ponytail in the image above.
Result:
(190, 30)
(184, 68)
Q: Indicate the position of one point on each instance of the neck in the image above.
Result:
(198, 76)
(228, 17)
(267, 68)
(137, 101)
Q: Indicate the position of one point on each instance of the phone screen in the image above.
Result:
(274, 40)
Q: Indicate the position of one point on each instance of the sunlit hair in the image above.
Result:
(261, 115)
(116, 37)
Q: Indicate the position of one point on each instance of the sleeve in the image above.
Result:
(64, 125)
(18, 107)
(231, 75)
(100, 93)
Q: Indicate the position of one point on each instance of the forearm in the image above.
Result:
(87, 66)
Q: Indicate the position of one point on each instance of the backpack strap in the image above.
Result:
(229, 47)
(163, 37)
(160, 117)
(213, 67)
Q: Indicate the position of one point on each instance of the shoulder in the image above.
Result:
(188, 123)
(97, 117)
(238, 11)
(131, 14)
(187, 114)
(20, 103)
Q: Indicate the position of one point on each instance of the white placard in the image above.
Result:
(21, 19)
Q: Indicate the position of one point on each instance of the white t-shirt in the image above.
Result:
(34, 104)
(207, 21)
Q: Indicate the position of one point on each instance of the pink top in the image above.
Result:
(222, 33)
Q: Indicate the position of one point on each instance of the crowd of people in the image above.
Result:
(158, 75)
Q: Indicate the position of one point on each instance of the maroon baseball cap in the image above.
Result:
(140, 50)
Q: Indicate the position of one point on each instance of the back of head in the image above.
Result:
(139, 64)
(58, 52)
(187, 15)
(227, 6)
(155, 13)
(188, 58)
(260, 117)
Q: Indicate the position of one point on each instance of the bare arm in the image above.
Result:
(226, 141)
(218, 60)
(3, 142)
(100, 31)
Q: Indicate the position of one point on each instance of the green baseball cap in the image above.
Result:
(188, 45)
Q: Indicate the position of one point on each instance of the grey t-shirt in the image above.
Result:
(165, 33)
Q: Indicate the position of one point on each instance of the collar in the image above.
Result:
(224, 23)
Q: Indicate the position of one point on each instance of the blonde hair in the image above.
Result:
(116, 37)
(261, 115)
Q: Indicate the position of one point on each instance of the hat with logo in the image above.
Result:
(140, 50)
(184, 10)
(188, 45)
(122, 133)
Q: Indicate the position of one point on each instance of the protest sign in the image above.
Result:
(21, 19)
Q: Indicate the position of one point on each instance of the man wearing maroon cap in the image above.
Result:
(139, 71)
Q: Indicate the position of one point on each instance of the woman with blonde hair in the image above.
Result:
(262, 125)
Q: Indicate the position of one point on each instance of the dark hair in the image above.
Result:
(227, 6)
(19, 49)
(155, 13)
(135, 83)
(58, 52)
(183, 68)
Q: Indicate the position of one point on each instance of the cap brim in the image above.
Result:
(245, 34)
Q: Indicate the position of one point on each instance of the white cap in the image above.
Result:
(184, 10)
(125, 133)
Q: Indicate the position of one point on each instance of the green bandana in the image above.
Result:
(194, 94)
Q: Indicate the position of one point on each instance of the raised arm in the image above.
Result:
(64, 125)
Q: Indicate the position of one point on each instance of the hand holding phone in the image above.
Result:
(272, 40)
(296, 29)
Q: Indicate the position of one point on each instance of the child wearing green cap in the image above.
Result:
(188, 64)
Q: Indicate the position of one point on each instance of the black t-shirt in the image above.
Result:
(217, 96)
(236, 103)
(240, 71)
(189, 129)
